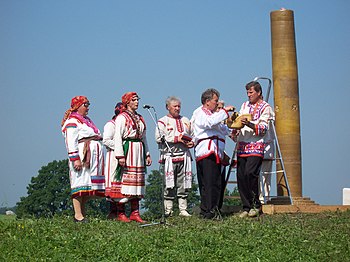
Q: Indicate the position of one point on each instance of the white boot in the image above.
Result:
(168, 207)
(183, 207)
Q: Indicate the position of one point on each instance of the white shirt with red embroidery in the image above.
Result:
(171, 129)
(252, 142)
(209, 133)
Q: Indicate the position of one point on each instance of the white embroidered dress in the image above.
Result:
(130, 136)
(111, 163)
(90, 180)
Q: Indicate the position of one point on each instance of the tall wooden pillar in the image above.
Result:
(286, 98)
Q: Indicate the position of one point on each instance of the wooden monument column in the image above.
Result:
(286, 98)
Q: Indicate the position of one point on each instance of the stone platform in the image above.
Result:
(300, 205)
(277, 209)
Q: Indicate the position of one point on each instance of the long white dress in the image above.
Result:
(130, 143)
(111, 163)
(90, 180)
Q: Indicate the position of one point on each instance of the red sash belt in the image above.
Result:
(211, 138)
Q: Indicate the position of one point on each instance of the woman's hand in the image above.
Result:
(148, 160)
(77, 165)
(121, 161)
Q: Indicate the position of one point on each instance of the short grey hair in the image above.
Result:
(171, 99)
(222, 102)
(208, 95)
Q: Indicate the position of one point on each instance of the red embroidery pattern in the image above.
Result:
(179, 125)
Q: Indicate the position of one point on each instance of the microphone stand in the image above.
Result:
(161, 170)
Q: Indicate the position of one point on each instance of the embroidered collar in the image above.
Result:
(256, 108)
(207, 111)
(86, 120)
(170, 116)
(136, 119)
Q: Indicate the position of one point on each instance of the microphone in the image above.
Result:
(147, 106)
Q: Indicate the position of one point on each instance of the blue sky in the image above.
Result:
(51, 51)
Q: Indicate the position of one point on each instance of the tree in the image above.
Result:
(49, 194)
(153, 197)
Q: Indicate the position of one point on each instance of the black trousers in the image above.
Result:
(211, 182)
(248, 170)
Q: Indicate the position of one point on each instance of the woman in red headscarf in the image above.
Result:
(111, 163)
(83, 143)
(132, 154)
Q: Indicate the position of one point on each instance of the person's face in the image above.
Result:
(212, 103)
(220, 106)
(253, 96)
(134, 103)
(174, 108)
(84, 109)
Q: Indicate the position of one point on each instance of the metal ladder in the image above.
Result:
(277, 158)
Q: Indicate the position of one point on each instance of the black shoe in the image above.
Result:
(217, 214)
(84, 220)
(209, 216)
(213, 214)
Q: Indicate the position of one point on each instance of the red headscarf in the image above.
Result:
(76, 102)
(126, 98)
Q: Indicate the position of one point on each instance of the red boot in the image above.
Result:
(121, 213)
(135, 214)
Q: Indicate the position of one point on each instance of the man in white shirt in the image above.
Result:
(176, 160)
(209, 134)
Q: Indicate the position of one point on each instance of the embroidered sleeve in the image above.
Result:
(144, 139)
(207, 121)
(71, 135)
(263, 123)
(120, 129)
(108, 135)
(160, 131)
(243, 106)
(167, 128)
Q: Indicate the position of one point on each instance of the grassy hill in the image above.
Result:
(287, 237)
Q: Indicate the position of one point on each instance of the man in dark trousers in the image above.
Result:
(209, 134)
(250, 148)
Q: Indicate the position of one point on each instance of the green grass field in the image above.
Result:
(298, 237)
(4, 218)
